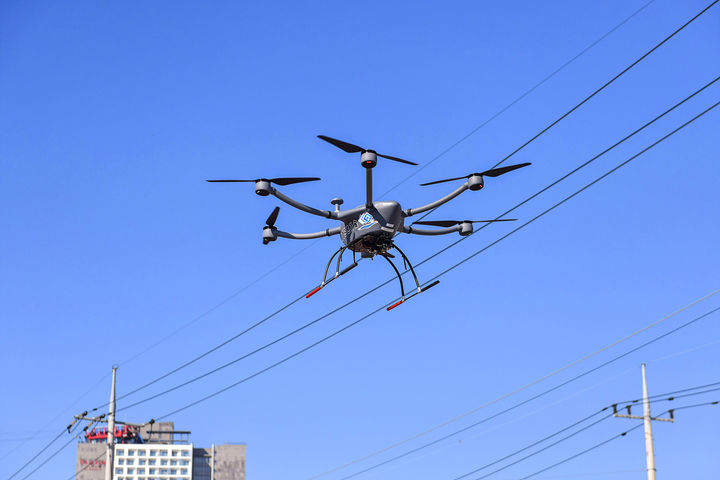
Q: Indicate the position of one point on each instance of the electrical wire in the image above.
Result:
(267, 345)
(527, 447)
(528, 400)
(226, 300)
(48, 445)
(466, 259)
(450, 268)
(598, 445)
(522, 96)
(587, 450)
(526, 200)
(582, 102)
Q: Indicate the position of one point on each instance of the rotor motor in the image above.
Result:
(475, 182)
(263, 188)
(466, 228)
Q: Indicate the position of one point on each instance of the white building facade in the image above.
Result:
(153, 462)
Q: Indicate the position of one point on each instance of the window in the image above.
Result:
(131, 453)
(186, 453)
(163, 462)
(184, 462)
(151, 471)
(173, 471)
(183, 471)
(141, 471)
(174, 453)
(151, 461)
(130, 461)
(120, 452)
(163, 453)
(118, 470)
(141, 461)
(130, 471)
(120, 461)
(163, 471)
(173, 462)
(153, 453)
(141, 453)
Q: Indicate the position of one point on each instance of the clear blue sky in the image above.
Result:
(112, 115)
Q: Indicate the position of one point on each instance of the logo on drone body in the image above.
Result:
(366, 220)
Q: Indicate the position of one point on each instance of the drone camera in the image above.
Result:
(475, 182)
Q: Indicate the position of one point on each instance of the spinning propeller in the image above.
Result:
(450, 223)
(278, 181)
(493, 172)
(350, 148)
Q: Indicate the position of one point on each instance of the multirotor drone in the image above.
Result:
(370, 229)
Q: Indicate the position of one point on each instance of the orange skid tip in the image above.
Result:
(395, 305)
(314, 291)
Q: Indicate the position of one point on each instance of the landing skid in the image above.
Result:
(387, 256)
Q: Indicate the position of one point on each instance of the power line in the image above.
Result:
(598, 445)
(448, 269)
(534, 397)
(227, 299)
(579, 422)
(544, 439)
(606, 84)
(267, 345)
(455, 265)
(48, 445)
(522, 96)
(526, 200)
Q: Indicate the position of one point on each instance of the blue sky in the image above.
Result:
(113, 115)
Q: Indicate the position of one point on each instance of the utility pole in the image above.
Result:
(647, 420)
(111, 430)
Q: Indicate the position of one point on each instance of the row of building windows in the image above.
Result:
(151, 478)
(150, 461)
(120, 452)
(152, 471)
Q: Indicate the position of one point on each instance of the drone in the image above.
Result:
(370, 229)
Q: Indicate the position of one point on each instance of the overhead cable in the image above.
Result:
(455, 265)
(530, 399)
(267, 345)
(606, 84)
(476, 129)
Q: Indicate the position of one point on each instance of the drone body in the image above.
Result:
(370, 229)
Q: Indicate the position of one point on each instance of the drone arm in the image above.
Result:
(306, 236)
(436, 231)
(413, 211)
(301, 206)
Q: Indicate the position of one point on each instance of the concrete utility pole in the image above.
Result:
(647, 420)
(111, 430)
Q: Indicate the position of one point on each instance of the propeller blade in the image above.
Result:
(278, 181)
(438, 223)
(493, 172)
(396, 159)
(443, 181)
(270, 222)
(348, 147)
(291, 180)
(496, 172)
(231, 181)
(450, 223)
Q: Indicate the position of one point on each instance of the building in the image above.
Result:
(157, 452)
